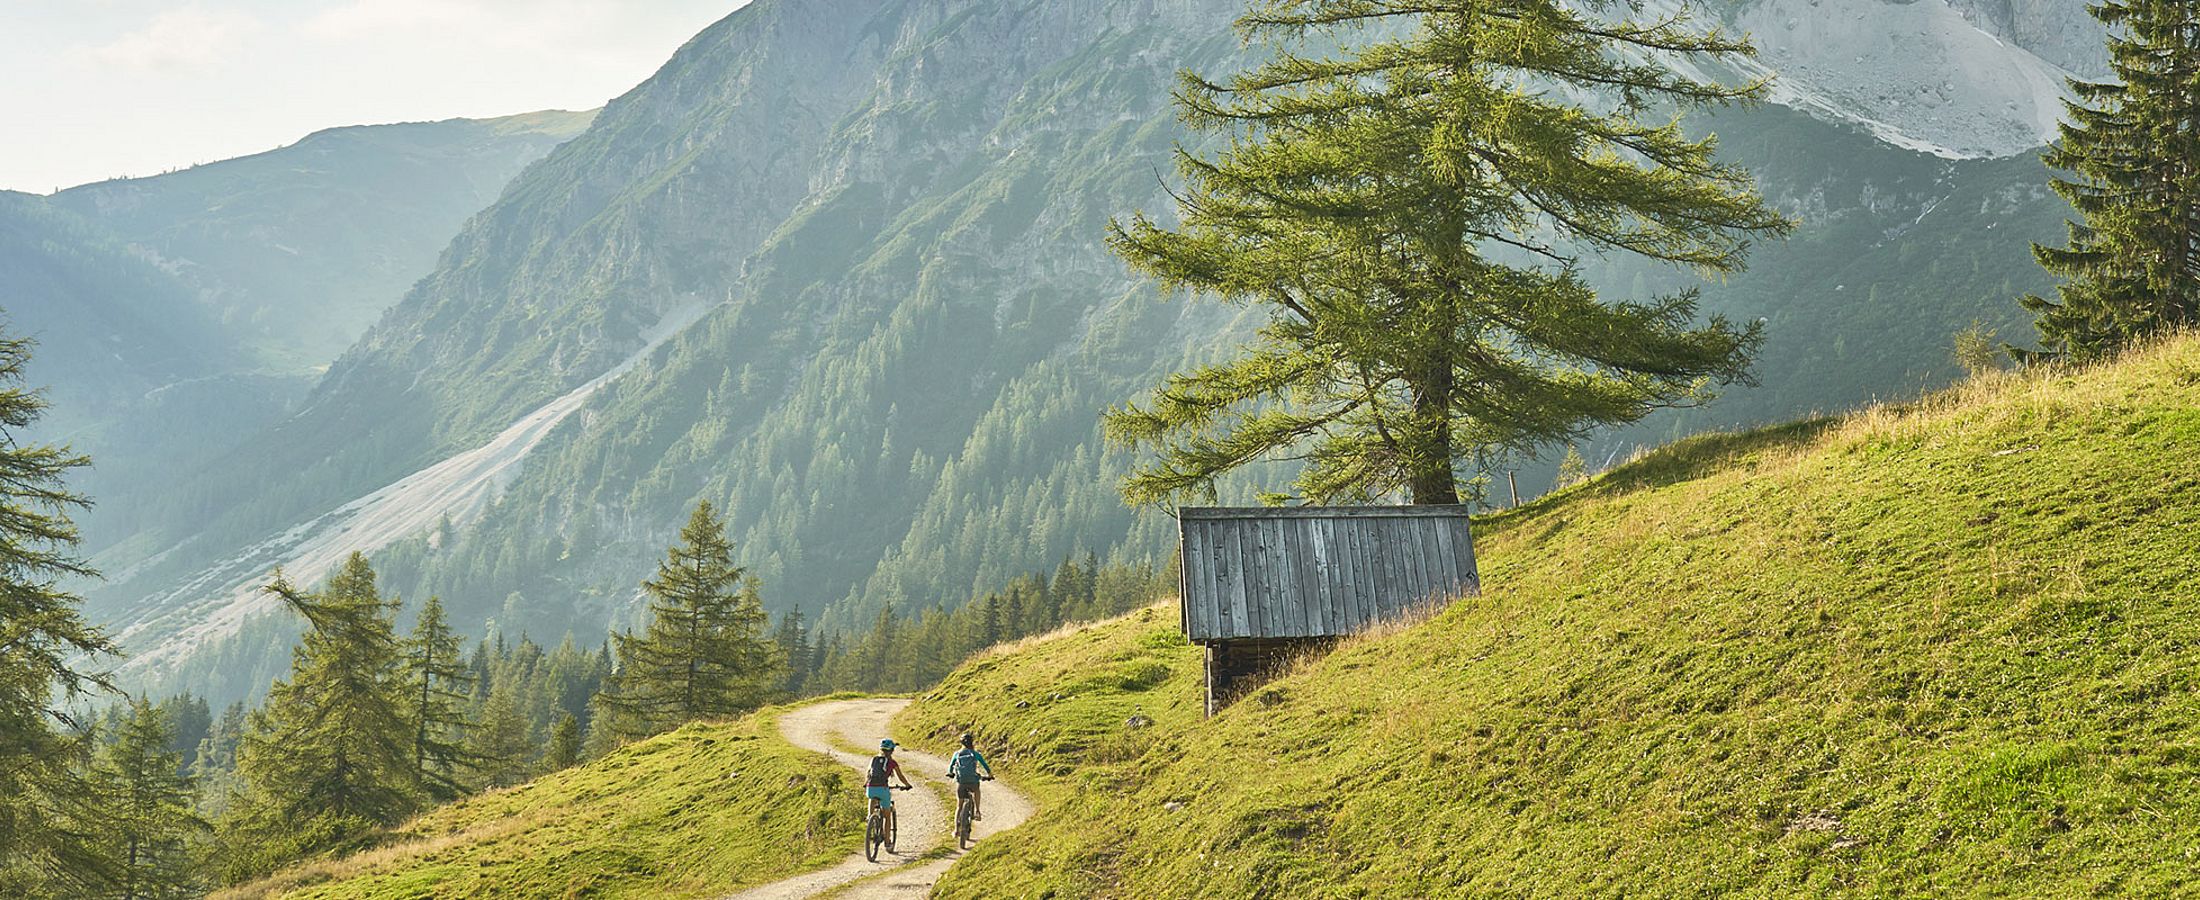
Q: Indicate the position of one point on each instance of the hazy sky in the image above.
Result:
(91, 89)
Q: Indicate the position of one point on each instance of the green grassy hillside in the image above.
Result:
(1941, 650)
(693, 813)
(1077, 687)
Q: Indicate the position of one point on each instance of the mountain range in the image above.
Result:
(837, 268)
(178, 314)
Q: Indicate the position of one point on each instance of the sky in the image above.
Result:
(96, 89)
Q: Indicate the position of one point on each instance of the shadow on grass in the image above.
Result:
(1684, 460)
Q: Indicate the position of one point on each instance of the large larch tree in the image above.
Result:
(1410, 210)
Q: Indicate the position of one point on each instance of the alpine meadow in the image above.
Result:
(1100, 449)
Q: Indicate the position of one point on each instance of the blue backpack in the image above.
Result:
(964, 766)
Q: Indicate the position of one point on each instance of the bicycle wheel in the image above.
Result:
(873, 835)
(962, 824)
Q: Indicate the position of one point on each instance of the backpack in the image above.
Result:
(878, 771)
(964, 766)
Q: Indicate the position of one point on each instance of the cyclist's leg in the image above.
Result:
(977, 802)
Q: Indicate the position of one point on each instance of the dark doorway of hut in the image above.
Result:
(1266, 586)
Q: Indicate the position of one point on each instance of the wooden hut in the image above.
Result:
(1261, 584)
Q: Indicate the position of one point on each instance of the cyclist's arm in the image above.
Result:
(904, 776)
(983, 764)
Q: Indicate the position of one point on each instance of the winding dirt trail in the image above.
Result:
(830, 728)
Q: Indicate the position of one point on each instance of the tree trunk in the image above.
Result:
(1433, 485)
(1428, 447)
(420, 733)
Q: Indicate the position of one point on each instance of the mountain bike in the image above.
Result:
(962, 816)
(881, 831)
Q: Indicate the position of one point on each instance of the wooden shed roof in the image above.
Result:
(1314, 571)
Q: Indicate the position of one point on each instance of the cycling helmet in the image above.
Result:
(887, 744)
(967, 739)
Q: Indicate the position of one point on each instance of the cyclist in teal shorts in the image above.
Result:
(876, 786)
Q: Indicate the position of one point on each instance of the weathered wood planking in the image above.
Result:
(1318, 571)
(1235, 546)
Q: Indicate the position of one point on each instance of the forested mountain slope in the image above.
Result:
(1943, 650)
(890, 215)
(111, 326)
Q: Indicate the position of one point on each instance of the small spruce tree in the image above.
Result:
(703, 653)
(438, 683)
(1572, 469)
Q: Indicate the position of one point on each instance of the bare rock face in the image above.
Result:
(2058, 31)
(1956, 78)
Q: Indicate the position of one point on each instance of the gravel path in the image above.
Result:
(830, 727)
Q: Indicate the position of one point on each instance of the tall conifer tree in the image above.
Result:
(44, 643)
(609, 725)
(215, 768)
(146, 802)
(501, 743)
(565, 743)
(1409, 211)
(2130, 151)
(703, 653)
(573, 675)
(330, 753)
(438, 684)
(792, 638)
